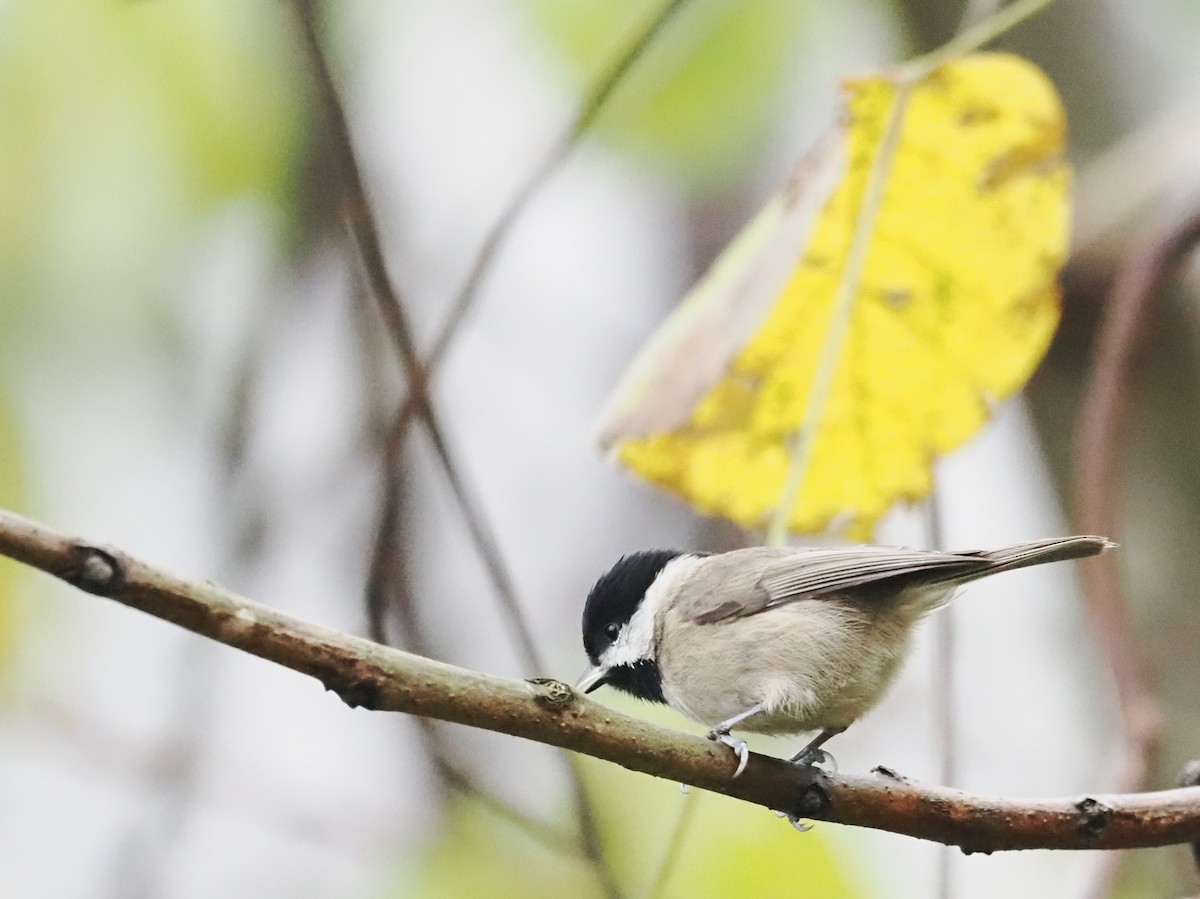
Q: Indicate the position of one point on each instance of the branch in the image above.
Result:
(369, 675)
(392, 308)
(390, 302)
(594, 100)
(1102, 417)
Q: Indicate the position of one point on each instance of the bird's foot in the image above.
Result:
(816, 758)
(738, 746)
(798, 823)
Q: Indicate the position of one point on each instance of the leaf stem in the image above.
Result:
(907, 75)
(839, 324)
(972, 38)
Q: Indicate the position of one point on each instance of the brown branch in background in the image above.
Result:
(388, 579)
(368, 675)
(391, 307)
(1102, 417)
(594, 101)
(389, 586)
(174, 766)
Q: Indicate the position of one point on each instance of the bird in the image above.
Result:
(778, 640)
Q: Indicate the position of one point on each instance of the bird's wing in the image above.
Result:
(818, 572)
(747, 581)
(756, 579)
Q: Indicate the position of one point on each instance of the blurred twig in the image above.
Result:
(391, 306)
(1102, 417)
(176, 762)
(593, 102)
(367, 675)
(388, 579)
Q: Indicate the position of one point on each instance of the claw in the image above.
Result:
(798, 823)
(816, 758)
(738, 746)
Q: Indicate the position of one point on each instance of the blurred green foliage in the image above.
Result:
(701, 100)
(731, 849)
(123, 122)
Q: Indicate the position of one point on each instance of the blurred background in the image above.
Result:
(192, 368)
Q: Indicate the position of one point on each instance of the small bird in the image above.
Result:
(778, 640)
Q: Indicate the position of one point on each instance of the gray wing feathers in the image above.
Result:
(815, 572)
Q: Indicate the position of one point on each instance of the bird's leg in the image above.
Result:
(813, 754)
(721, 734)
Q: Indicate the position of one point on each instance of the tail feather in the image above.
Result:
(1039, 552)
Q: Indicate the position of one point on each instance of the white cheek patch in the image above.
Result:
(636, 640)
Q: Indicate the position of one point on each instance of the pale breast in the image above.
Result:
(812, 664)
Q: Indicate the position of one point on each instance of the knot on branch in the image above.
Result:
(1095, 816)
(358, 694)
(93, 570)
(358, 685)
(552, 695)
(813, 801)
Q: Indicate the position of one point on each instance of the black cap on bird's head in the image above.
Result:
(607, 614)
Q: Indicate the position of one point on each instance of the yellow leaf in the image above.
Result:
(954, 308)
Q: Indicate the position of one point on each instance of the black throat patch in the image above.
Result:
(641, 679)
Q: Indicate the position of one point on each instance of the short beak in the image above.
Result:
(591, 679)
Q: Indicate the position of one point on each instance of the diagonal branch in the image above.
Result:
(369, 675)
(365, 233)
(594, 101)
(388, 298)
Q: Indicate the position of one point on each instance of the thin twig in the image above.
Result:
(974, 37)
(177, 760)
(593, 102)
(391, 307)
(388, 575)
(368, 675)
(1102, 417)
(595, 98)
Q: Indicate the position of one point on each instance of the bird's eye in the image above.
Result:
(611, 630)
